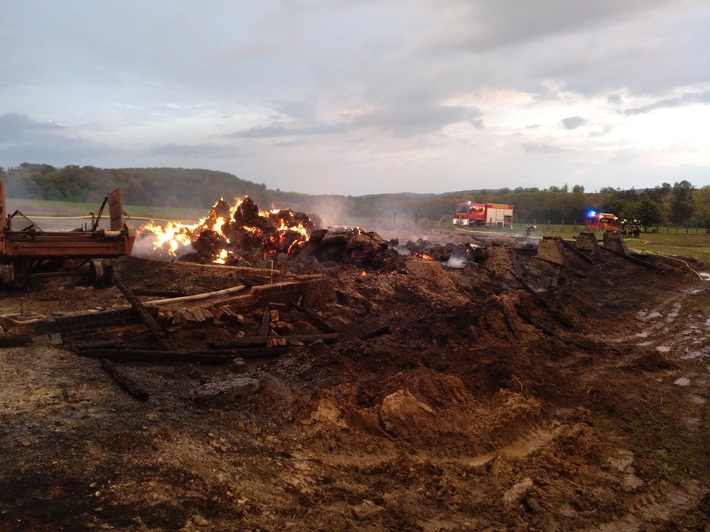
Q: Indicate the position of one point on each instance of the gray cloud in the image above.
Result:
(542, 147)
(281, 130)
(680, 101)
(490, 24)
(281, 91)
(573, 122)
(411, 119)
(16, 128)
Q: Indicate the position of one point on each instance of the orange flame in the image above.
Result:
(174, 237)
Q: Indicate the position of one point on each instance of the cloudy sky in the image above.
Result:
(361, 97)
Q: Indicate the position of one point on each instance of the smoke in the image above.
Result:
(456, 262)
(331, 210)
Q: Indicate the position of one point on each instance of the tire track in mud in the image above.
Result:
(679, 329)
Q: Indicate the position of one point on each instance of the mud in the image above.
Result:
(508, 393)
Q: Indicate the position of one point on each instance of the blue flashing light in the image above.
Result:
(592, 213)
(469, 202)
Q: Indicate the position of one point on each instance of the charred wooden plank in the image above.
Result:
(549, 331)
(634, 260)
(99, 344)
(15, 339)
(315, 318)
(561, 266)
(579, 253)
(265, 321)
(384, 329)
(124, 381)
(158, 293)
(509, 319)
(157, 357)
(263, 352)
(564, 320)
(153, 326)
(263, 340)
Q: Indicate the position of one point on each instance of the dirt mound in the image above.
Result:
(362, 384)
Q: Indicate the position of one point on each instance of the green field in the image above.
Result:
(675, 244)
(41, 209)
(663, 240)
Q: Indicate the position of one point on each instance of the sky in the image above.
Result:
(358, 97)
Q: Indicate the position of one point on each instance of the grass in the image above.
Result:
(673, 241)
(39, 209)
(676, 244)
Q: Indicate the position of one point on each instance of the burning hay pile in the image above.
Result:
(234, 234)
(245, 235)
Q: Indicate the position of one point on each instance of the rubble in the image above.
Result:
(354, 381)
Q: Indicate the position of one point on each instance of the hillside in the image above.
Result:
(681, 204)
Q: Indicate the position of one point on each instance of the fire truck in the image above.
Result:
(479, 214)
(601, 221)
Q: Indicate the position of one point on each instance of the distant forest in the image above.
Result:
(680, 204)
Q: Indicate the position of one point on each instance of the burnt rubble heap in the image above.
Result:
(249, 233)
(358, 383)
(251, 236)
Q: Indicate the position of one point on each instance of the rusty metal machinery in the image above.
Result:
(32, 250)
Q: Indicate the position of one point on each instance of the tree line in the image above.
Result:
(157, 187)
(680, 204)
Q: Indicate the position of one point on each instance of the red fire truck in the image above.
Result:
(601, 221)
(478, 214)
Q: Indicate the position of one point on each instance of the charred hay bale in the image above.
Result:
(615, 242)
(221, 209)
(500, 261)
(551, 250)
(209, 244)
(247, 215)
(289, 218)
(348, 247)
(475, 252)
(586, 242)
(432, 272)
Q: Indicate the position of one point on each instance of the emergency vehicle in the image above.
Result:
(479, 214)
(601, 221)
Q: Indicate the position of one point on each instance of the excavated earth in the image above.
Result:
(510, 393)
